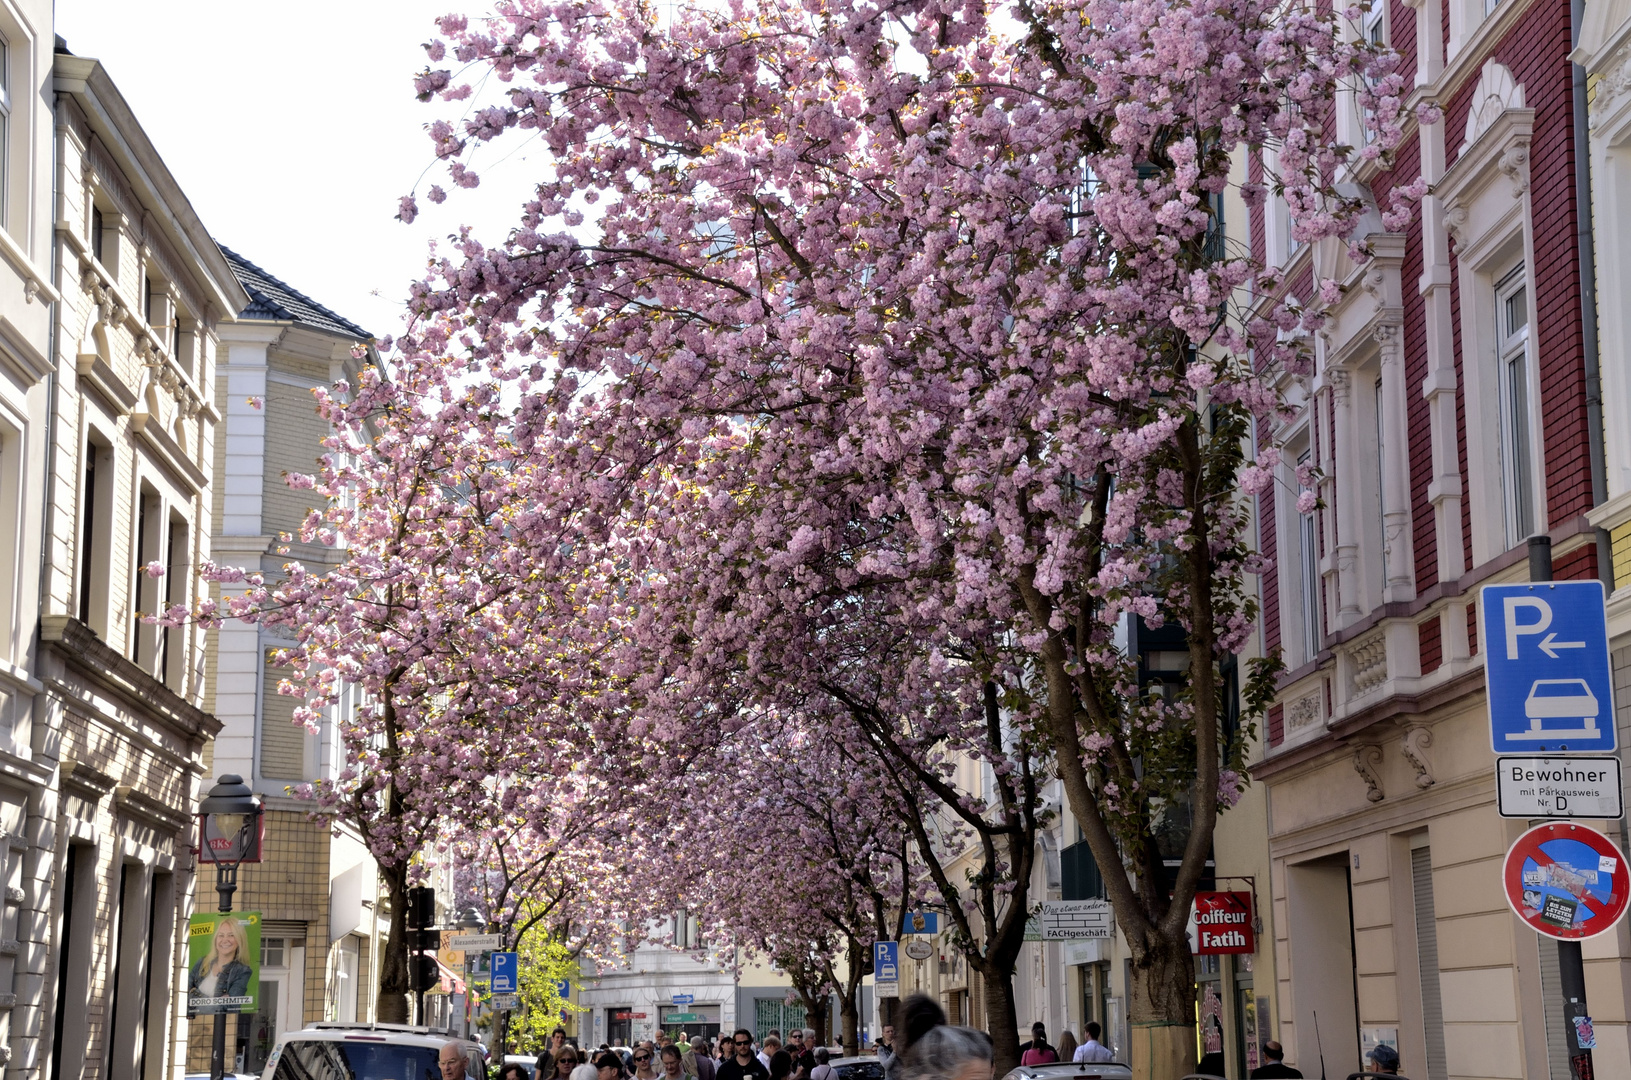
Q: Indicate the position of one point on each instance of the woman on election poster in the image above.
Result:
(219, 980)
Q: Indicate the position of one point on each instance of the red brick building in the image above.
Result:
(1450, 418)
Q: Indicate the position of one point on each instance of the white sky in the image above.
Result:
(293, 128)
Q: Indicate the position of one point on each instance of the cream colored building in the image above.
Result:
(318, 892)
(115, 319)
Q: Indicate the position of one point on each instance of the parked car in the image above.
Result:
(1066, 1070)
(857, 1068)
(340, 1051)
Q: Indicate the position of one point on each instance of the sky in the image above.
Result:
(293, 129)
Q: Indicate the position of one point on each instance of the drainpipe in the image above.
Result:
(1588, 294)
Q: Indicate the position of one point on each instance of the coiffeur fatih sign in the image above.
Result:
(1223, 923)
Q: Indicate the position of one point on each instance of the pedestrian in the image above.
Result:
(683, 1042)
(804, 1061)
(725, 1052)
(610, 1066)
(1275, 1068)
(781, 1065)
(930, 1049)
(743, 1063)
(697, 1061)
(644, 1066)
(585, 1071)
(885, 1048)
(1384, 1059)
(768, 1049)
(544, 1067)
(1093, 1051)
(513, 1070)
(823, 1068)
(673, 1065)
(1067, 1046)
(1039, 1052)
(563, 1062)
(453, 1059)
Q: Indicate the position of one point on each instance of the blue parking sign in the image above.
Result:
(506, 972)
(886, 961)
(1546, 668)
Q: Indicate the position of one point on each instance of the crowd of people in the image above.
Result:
(928, 1049)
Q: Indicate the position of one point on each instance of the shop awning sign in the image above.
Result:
(1222, 924)
(1566, 881)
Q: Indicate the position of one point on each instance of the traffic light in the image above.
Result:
(422, 972)
(421, 907)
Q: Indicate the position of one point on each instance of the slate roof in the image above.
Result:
(271, 299)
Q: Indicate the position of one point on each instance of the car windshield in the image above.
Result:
(323, 1059)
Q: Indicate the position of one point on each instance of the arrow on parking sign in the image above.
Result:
(1550, 643)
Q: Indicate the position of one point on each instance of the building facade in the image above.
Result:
(1453, 415)
(318, 888)
(104, 720)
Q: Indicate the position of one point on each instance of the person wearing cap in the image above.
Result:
(1384, 1059)
(1275, 1067)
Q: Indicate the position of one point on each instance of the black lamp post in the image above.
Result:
(229, 826)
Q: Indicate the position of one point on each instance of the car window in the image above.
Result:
(860, 1070)
(323, 1059)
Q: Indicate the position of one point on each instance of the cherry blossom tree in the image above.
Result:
(916, 310)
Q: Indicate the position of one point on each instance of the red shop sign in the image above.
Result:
(1223, 923)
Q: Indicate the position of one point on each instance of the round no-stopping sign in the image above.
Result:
(1566, 881)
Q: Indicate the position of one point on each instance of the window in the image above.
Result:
(5, 123)
(98, 229)
(144, 592)
(1309, 559)
(1375, 23)
(1512, 344)
(95, 525)
(173, 587)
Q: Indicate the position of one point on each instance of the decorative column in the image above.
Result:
(1400, 582)
(1347, 507)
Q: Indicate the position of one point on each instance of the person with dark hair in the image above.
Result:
(1039, 1052)
(931, 1049)
(1275, 1068)
(1092, 1051)
(673, 1064)
(513, 1070)
(610, 1065)
(781, 1065)
(743, 1063)
(1384, 1059)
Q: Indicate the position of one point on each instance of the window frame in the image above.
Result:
(1516, 396)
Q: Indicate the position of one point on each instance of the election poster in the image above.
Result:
(223, 962)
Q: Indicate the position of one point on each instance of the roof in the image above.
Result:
(273, 300)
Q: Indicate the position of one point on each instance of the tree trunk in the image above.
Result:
(393, 966)
(850, 1017)
(1161, 1010)
(1000, 1022)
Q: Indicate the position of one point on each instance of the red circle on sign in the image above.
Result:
(1566, 881)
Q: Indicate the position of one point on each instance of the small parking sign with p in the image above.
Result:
(1546, 667)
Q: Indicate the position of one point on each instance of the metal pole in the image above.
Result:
(1570, 964)
(226, 883)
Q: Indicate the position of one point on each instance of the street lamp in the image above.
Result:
(229, 835)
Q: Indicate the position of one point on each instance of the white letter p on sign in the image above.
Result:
(1514, 628)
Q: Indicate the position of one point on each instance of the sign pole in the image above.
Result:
(1570, 963)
